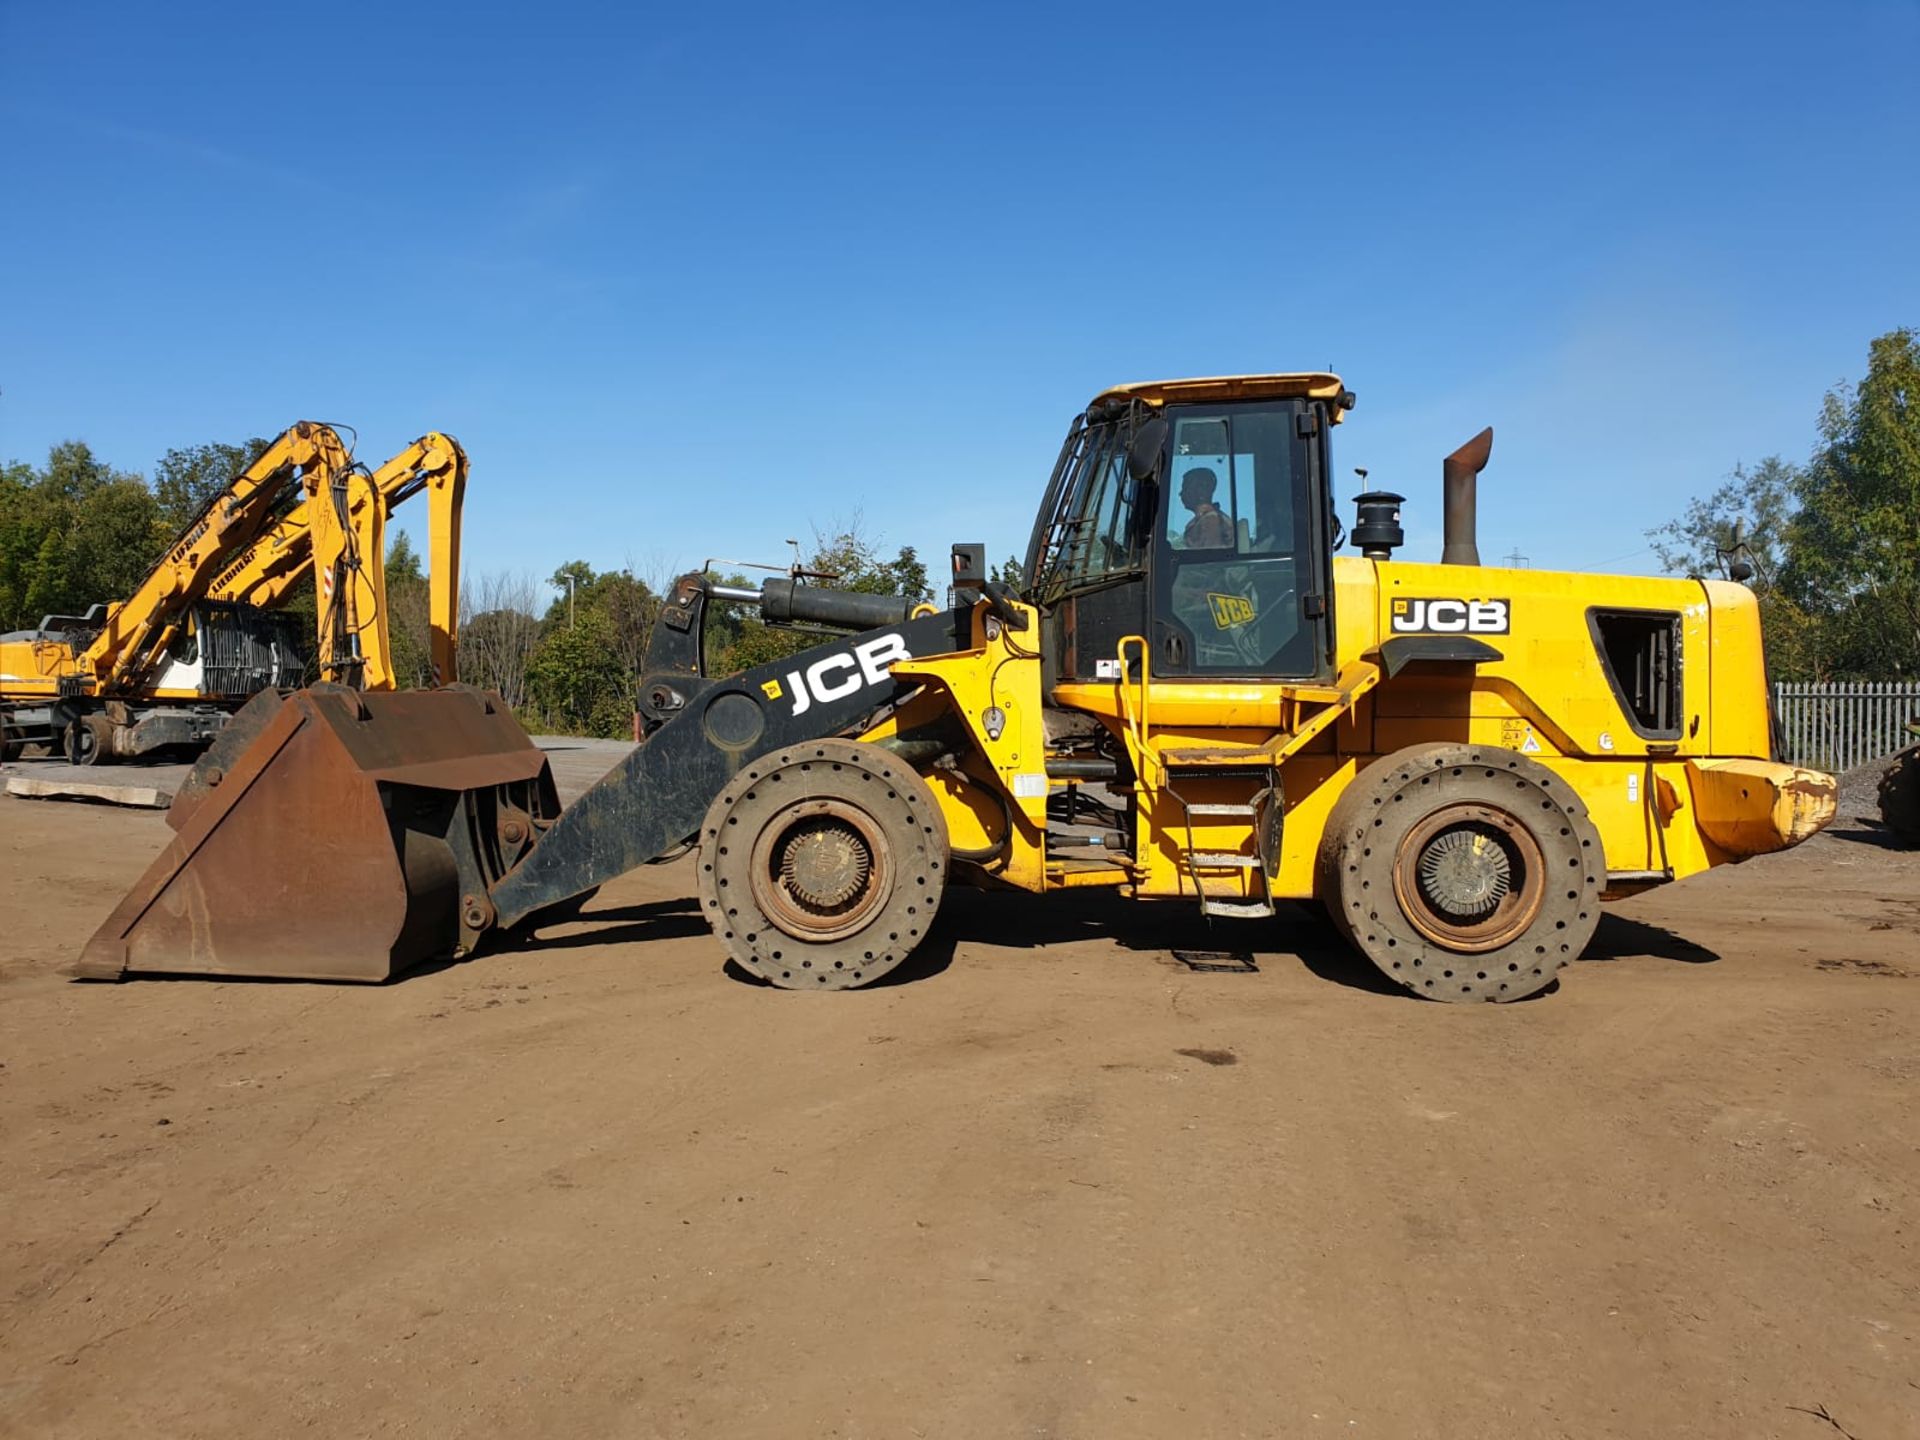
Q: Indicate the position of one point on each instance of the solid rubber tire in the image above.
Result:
(765, 793)
(1388, 799)
(1899, 795)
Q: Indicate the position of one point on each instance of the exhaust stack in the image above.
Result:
(1459, 474)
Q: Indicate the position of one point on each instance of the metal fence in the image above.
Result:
(1837, 725)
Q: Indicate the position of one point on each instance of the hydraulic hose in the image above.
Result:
(987, 854)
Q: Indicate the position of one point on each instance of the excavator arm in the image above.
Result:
(140, 628)
(349, 565)
(354, 628)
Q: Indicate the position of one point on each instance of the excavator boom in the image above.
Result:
(198, 636)
(139, 629)
(284, 554)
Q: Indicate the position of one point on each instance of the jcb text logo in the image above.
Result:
(1230, 610)
(1450, 617)
(835, 677)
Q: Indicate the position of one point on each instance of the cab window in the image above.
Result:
(1229, 573)
(1092, 537)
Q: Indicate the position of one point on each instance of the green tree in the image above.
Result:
(188, 477)
(23, 530)
(73, 470)
(1836, 543)
(114, 539)
(575, 681)
(71, 535)
(408, 613)
(853, 559)
(570, 579)
(1752, 509)
(1853, 559)
(49, 585)
(628, 603)
(1748, 518)
(909, 576)
(631, 608)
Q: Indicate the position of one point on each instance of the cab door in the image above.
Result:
(1238, 554)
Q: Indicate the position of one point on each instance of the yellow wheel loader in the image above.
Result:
(200, 636)
(1192, 698)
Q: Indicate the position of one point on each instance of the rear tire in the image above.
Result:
(1463, 872)
(822, 865)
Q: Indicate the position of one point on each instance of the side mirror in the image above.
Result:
(1143, 452)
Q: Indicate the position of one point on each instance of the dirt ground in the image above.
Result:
(1051, 1184)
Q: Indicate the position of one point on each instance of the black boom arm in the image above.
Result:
(655, 799)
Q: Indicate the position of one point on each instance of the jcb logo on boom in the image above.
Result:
(835, 677)
(1450, 617)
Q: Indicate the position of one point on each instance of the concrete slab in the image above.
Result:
(145, 797)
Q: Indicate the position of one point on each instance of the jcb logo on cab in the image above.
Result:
(1450, 617)
(1231, 610)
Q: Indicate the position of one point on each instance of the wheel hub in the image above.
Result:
(821, 869)
(1469, 877)
(1465, 873)
(825, 864)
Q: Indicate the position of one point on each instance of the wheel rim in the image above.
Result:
(1470, 878)
(821, 870)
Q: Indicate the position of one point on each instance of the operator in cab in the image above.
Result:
(1210, 528)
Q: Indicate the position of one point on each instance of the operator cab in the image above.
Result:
(1195, 514)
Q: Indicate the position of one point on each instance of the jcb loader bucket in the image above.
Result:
(331, 834)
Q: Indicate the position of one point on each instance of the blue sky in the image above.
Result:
(689, 280)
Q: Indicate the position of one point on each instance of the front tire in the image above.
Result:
(1463, 872)
(83, 742)
(822, 865)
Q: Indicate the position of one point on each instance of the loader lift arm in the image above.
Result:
(654, 800)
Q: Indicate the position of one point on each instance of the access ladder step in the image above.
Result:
(1206, 757)
(1214, 859)
(1238, 909)
(1210, 809)
(1218, 769)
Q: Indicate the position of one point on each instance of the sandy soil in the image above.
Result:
(1052, 1184)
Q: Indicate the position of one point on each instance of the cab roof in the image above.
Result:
(1317, 385)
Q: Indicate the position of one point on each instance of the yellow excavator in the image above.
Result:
(1192, 697)
(263, 573)
(201, 635)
